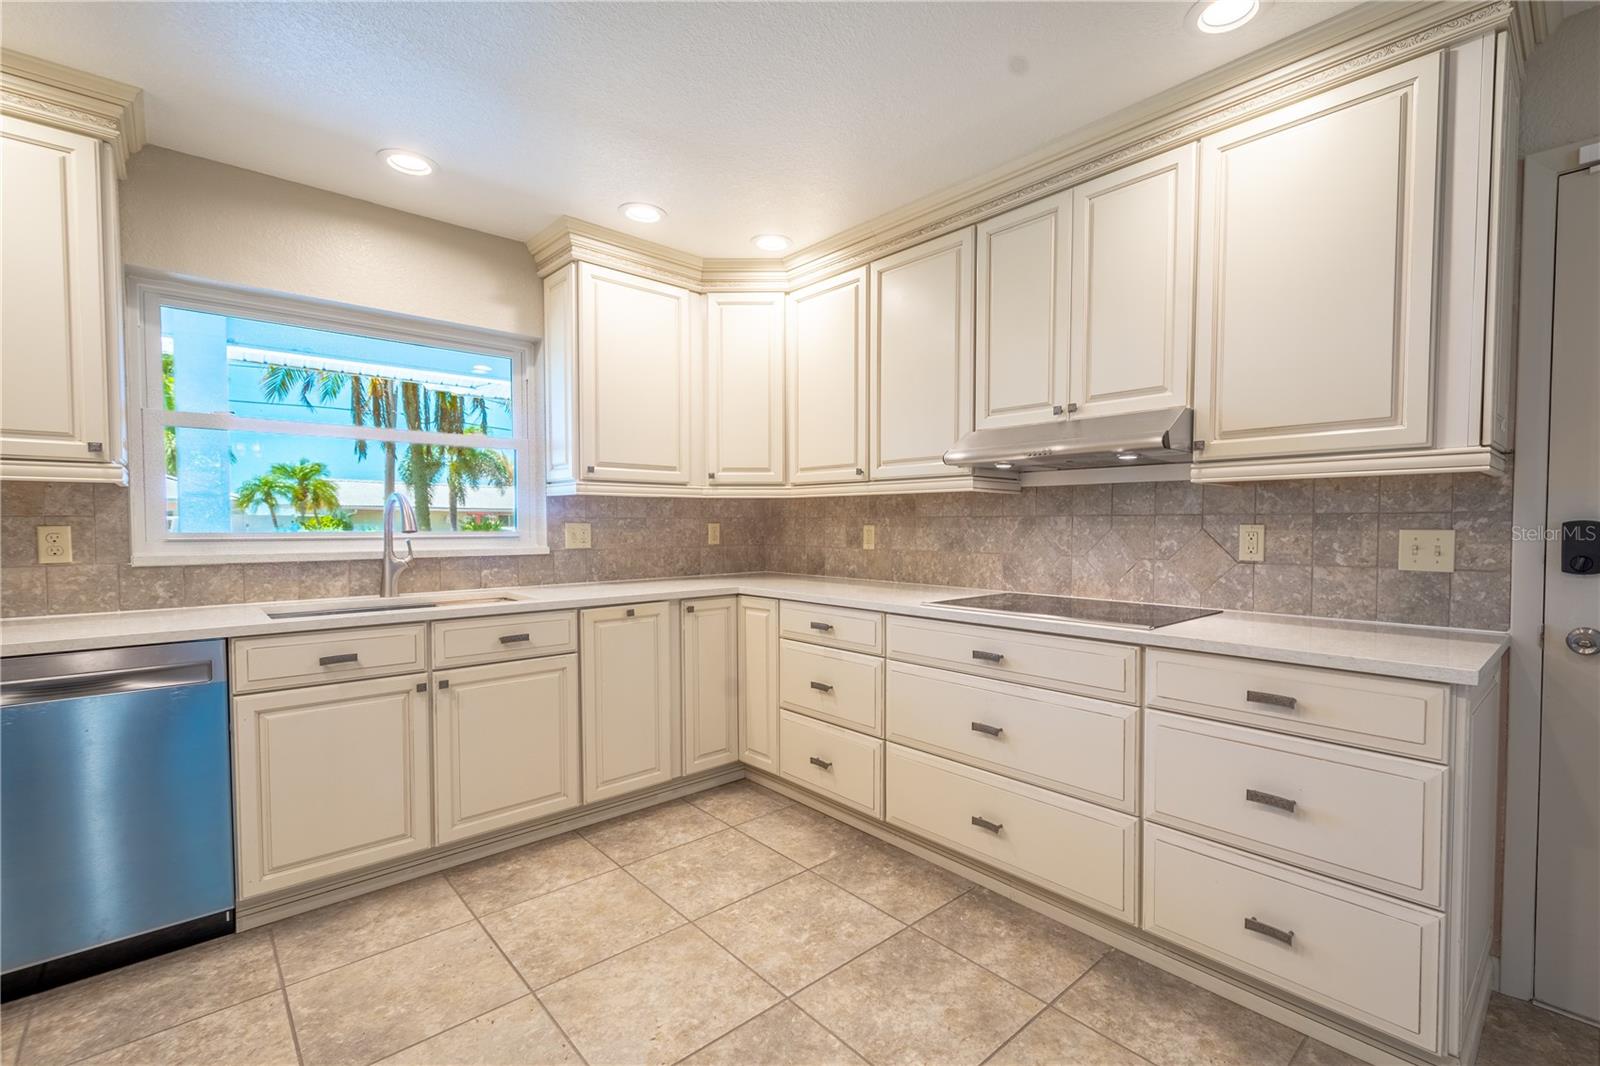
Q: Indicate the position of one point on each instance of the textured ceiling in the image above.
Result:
(738, 119)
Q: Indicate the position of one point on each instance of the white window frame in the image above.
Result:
(153, 545)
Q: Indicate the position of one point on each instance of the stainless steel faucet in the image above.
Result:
(393, 564)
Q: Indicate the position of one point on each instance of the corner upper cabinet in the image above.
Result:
(744, 388)
(1133, 286)
(826, 355)
(1314, 328)
(1024, 296)
(629, 698)
(920, 356)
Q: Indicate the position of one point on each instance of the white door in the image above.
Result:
(635, 378)
(1133, 286)
(54, 340)
(1024, 301)
(758, 682)
(505, 744)
(1314, 320)
(744, 388)
(629, 698)
(827, 377)
(920, 356)
(1566, 954)
(329, 779)
(710, 683)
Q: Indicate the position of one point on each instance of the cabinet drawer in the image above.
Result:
(1374, 819)
(837, 627)
(1081, 851)
(844, 766)
(837, 686)
(261, 663)
(1087, 667)
(1406, 717)
(1073, 744)
(1369, 958)
(469, 641)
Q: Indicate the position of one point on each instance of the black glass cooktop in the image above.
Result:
(1101, 612)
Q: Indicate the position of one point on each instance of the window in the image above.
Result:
(264, 427)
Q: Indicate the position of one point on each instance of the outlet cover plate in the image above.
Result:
(577, 534)
(1431, 550)
(713, 532)
(55, 544)
(1252, 543)
(869, 538)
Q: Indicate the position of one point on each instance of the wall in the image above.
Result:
(1561, 86)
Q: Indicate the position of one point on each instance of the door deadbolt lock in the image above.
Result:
(1585, 640)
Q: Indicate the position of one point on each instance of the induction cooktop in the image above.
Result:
(1078, 609)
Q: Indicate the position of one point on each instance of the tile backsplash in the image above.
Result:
(1331, 547)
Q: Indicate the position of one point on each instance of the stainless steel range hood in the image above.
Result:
(1145, 438)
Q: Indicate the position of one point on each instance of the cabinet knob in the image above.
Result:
(630, 612)
(859, 471)
(96, 447)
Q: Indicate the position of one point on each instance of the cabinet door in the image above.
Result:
(827, 374)
(635, 374)
(758, 682)
(1133, 286)
(710, 683)
(558, 354)
(55, 338)
(744, 387)
(329, 779)
(921, 356)
(1316, 267)
(630, 700)
(1023, 302)
(505, 744)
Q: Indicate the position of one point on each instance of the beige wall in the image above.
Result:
(186, 215)
(1561, 88)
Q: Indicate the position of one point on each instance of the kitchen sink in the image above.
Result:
(379, 608)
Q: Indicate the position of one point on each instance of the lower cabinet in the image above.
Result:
(505, 744)
(329, 779)
(758, 682)
(842, 764)
(710, 683)
(630, 699)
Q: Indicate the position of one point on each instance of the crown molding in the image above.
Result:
(571, 239)
(73, 100)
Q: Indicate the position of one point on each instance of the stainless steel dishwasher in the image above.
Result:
(116, 823)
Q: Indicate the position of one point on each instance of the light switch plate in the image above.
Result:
(1252, 544)
(869, 538)
(713, 532)
(577, 534)
(55, 544)
(1428, 549)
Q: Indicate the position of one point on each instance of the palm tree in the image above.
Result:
(267, 490)
(467, 468)
(310, 490)
(372, 402)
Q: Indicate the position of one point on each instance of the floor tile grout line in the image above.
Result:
(1056, 1005)
(369, 957)
(748, 1021)
(1019, 1031)
(22, 1041)
(571, 1043)
(283, 992)
(824, 1025)
(546, 892)
(1297, 1049)
(164, 1029)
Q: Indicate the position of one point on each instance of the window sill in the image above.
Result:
(203, 556)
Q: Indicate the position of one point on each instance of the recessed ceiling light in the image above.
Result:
(1220, 16)
(637, 212)
(408, 163)
(771, 242)
(481, 368)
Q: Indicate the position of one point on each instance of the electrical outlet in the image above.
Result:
(1252, 544)
(869, 537)
(713, 532)
(1428, 549)
(577, 534)
(55, 544)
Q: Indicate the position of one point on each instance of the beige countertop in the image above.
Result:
(1453, 656)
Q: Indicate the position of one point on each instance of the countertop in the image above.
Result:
(1452, 656)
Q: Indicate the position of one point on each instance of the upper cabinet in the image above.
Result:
(1024, 295)
(744, 388)
(1133, 286)
(827, 380)
(920, 355)
(1314, 327)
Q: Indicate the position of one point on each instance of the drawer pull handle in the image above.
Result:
(822, 686)
(824, 763)
(515, 638)
(822, 627)
(1284, 935)
(335, 660)
(1267, 799)
(986, 729)
(1272, 699)
(988, 656)
(983, 823)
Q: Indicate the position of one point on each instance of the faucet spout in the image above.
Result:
(393, 564)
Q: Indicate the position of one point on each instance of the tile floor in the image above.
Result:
(735, 928)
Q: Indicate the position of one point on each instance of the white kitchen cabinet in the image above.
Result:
(558, 357)
(1024, 297)
(758, 682)
(629, 698)
(635, 380)
(920, 355)
(710, 683)
(329, 779)
(60, 353)
(744, 388)
(1314, 328)
(1133, 286)
(505, 744)
(826, 356)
